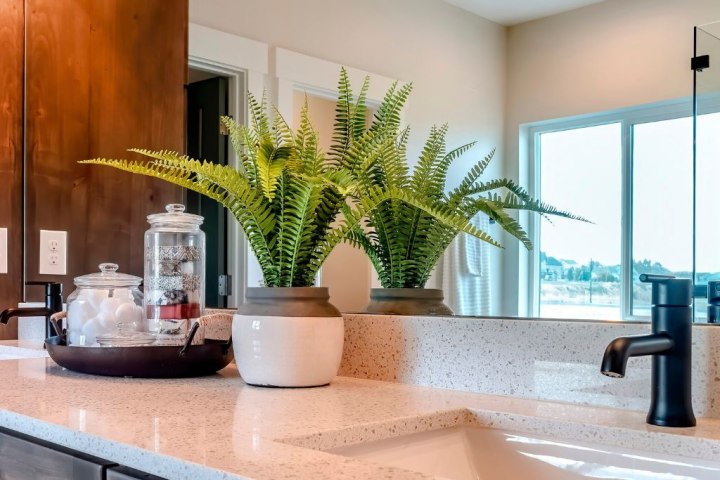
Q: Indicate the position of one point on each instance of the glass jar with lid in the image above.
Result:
(174, 273)
(106, 306)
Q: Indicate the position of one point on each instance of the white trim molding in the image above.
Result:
(245, 62)
(227, 49)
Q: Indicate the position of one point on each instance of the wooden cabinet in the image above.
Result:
(126, 473)
(95, 77)
(101, 76)
(11, 151)
(25, 458)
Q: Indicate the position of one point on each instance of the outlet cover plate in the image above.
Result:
(53, 252)
(3, 250)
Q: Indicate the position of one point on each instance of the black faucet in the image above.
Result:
(53, 304)
(670, 344)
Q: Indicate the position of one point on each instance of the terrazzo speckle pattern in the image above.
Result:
(540, 359)
(217, 427)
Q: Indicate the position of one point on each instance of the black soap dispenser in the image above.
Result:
(713, 297)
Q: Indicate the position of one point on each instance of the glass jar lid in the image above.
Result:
(175, 216)
(108, 277)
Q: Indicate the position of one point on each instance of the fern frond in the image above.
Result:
(252, 213)
(511, 201)
(271, 160)
(349, 124)
(498, 214)
(237, 139)
(424, 179)
(309, 158)
(258, 115)
(387, 117)
(475, 172)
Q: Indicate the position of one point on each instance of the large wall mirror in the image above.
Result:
(560, 97)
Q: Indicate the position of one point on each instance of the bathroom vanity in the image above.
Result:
(218, 427)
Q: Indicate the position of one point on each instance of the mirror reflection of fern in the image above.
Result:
(404, 242)
(284, 192)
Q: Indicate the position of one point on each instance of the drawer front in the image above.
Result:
(26, 458)
(127, 473)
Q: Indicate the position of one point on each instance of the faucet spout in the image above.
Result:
(619, 350)
(669, 345)
(9, 313)
(53, 304)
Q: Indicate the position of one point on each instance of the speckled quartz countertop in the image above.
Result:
(218, 427)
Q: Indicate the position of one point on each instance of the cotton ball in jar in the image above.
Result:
(106, 322)
(89, 330)
(96, 297)
(78, 312)
(129, 316)
(109, 305)
(123, 295)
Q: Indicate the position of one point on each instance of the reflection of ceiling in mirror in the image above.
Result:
(712, 29)
(512, 12)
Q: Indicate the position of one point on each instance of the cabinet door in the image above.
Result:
(101, 77)
(11, 152)
(127, 473)
(27, 458)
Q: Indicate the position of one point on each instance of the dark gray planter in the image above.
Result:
(407, 301)
(288, 302)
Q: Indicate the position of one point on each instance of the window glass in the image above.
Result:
(662, 233)
(707, 228)
(580, 270)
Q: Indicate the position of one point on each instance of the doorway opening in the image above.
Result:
(207, 101)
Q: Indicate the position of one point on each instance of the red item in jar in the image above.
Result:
(172, 312)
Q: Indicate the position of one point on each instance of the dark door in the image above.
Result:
(207, 102)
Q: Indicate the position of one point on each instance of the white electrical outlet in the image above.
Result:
(53, 252)
(3, 250)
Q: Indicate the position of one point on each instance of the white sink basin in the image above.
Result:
(16, 353)
(474, 453)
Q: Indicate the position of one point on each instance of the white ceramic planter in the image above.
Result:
(288, 337)
(287, 351)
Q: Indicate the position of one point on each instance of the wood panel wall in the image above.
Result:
(11, 152)
(101, 76)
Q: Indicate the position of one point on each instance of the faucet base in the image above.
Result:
(678, 422)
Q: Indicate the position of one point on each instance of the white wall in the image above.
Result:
(456, 60)
(614, 54)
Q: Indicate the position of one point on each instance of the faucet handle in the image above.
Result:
(650, 277)
(669, 291)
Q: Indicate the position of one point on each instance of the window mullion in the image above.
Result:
(626, 297)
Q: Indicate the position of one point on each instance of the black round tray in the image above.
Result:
(143, 362)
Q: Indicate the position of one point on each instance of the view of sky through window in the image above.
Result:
(581, 171)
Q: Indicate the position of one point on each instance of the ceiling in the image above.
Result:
(512, 12)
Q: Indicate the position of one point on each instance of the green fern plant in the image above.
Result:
(282, 193)
(405, 242)
(285, 193)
